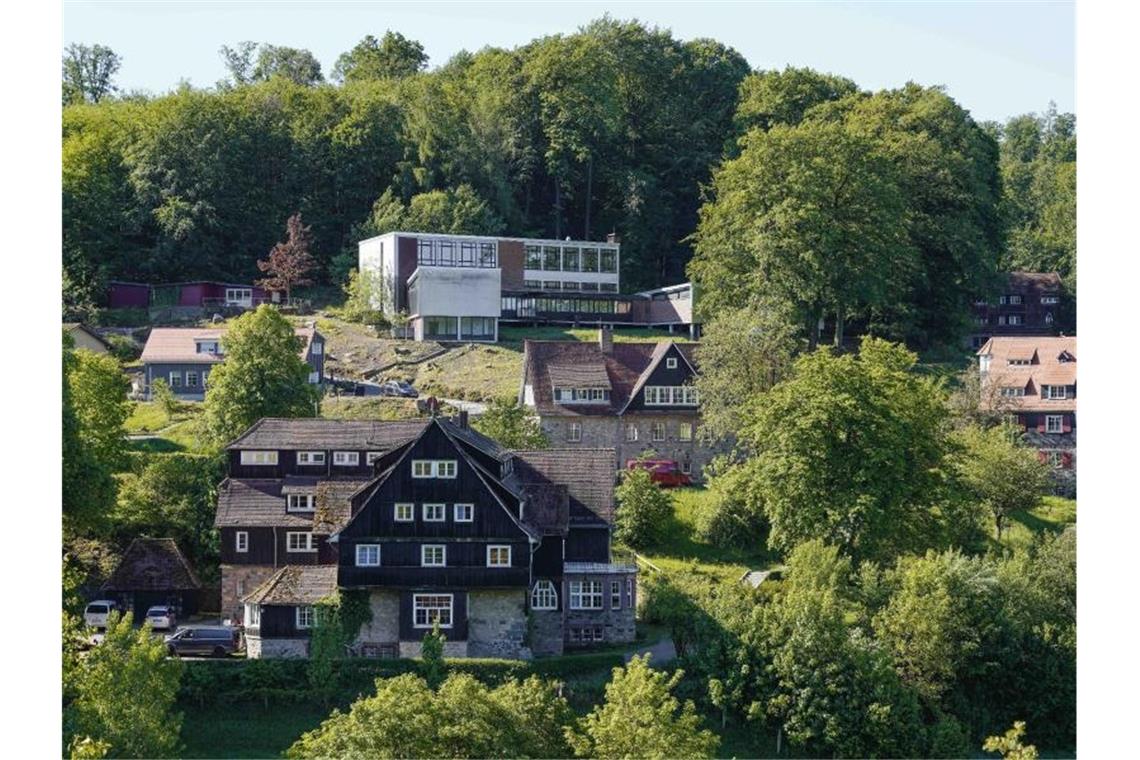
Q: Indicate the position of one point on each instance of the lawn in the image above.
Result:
(681, 549)
(358, 408)
(476, 373)
(247, 730)
(1054, 515)
(177, 434)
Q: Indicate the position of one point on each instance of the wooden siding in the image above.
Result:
(662, 375)
(548, 558)
(287, 465)
(265, 548)
(588, 545)
(400, 565)
(280, 622)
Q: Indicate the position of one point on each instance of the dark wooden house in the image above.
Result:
(153, 571)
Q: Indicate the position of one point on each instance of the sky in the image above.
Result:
(997, 59)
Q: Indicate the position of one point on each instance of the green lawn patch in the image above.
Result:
(511, 334)
(477, 372)
(358, 408)
(680, 548)
(1054, 515)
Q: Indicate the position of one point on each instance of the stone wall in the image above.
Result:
(497, 624)
(410, 649)
(385, 625)
(239, 581)
(257, 648)
(618, 625)
(546, 632)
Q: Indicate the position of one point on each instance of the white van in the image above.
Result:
(95, 616)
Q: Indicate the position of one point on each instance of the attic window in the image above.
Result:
(1020, 362)
(301, 502)
(1065, 357)
(1013, 391)
(671, 363)
(581, 395)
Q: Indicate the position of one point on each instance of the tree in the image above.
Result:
(463, 718)
(511, 425)
(768, 98)
(742, 354)
(642, 718)
(643, 509)
(239, 61)
(88, 73)
(98, 390)
(810, 215)
(126, 690)
(290, 262)
(435, 670)
(297, 65)
(848, 449)
(999, 472)
(365, 298)
(392, 57)
(162, 395)
(88, 487)
(263, 376)
(1009, 746)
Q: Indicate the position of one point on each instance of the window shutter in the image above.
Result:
(1066, 424)
(1066, 460)
(1042, 456)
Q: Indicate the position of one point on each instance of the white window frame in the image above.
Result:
(1056, 459)
(252, 615)
(191, 375)
(685, 431)
(310, 458)
(441, 511)
(658, 432)
(422, 468)
(497, 549)
(467, 515)
(310, 502)
(363, 559)
(629, 592)
(1015, 319)
(372, 456)
(1059, 418)
(435, 468)
(427, 619)
(1015, 300)
(317, 348)
(310, 542)
(1050, 299)
(259, 458)
(579, 594)
(631, 432)
(615, 595)
(304, 616)
(446, 468)
(398, 509)
(175, 379)
(346, 458)
(432, 547)
(1052, 394)
(241, 541)
(671, 363)
(575, 434)
(544, 596)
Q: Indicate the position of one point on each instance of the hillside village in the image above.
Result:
(407, 459)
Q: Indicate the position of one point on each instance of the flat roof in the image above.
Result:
(496, 238)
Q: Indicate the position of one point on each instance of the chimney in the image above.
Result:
(606, 340)
(463, 419)
(613, 237)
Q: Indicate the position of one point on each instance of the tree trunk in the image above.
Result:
(589, 194)
(839, 317)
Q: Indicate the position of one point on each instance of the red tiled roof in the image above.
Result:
(1046, 369)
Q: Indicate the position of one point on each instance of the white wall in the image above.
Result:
(378, 256)
(458, 292)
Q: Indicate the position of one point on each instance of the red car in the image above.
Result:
(665, 472)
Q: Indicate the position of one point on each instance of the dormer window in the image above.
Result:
(301, 502)
(1050, 299)
(671, 363)
(1065, 357)
(670, 395)
(1054, 392)
(1013, 392)
(1020, 362)
(212, 346)
(346, 458)
(582, 395)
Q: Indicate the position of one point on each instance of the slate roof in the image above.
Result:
(317, 433)
(260, 503)
(295, 584)
(473, 438)
(177, 345)
(627, 368)
(153, 564)
(589, 375)
(1046, 369)
(1044, 282)
(334, 504)
(587, 474)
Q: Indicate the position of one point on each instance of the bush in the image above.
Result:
(729, 520)
(123, 348)
(643, 509)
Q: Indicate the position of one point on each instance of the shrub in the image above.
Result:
(643, 509)
(123, 348)
(729, 520)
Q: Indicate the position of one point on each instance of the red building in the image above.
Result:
(203, 294)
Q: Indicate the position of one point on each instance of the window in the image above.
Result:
(1054, 423)
(1001, 319)
(310, 457)
(498, 556)
(434, 513)
(191, 379)
(206, 347)
(1015, 319)
(405, 512)
(238, 295)
(1015, 300)
(367, 555)
(300, 542)
(372, 456)
(1048, 317)
(552, 285)
(1054, 391)
(615, 595)
(175, 379)
(551, 258)
(1012, 392)
(588, 635)
(305, 617)
(428, 609)
(609, 261)
(685, 431)
(317, 348)
(571, 258)
(259, 457)
(314, 377)
(241, 541)
(1050, 299)
(658, 431)
(670, 395)
(533, 257)
(687, 467)
(1055, 458)
(629, 591)
(433, 468)
(433, 555)
(477, 328)
(1003, 300)
(544, 596)
(532, 284)
(346, 458)
(300, 502)
(441, 327)
(1019, 362)
(252, 615)
(585, 595)
(631, 432)
(464, 513)
(671, 363)
(575, 432)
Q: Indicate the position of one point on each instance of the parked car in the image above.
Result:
(398, 388)
(217, 641)
(665, 472)
(95, 615)
(161, 616)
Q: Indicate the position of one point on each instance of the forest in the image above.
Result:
(616, 128)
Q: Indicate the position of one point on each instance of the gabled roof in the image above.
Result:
(334, 503)
(319, 433)
(628, 366)
(474, 438)
(588, 375)
(1046, 282)
(153, 564)
(256, 503)
(179, 344)
(587, 474)
(659, 353)
(295, 584)
(80, 327)
(1046, 369)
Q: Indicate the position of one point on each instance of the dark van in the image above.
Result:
(214, 642)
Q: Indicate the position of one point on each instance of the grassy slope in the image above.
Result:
(1054, 515)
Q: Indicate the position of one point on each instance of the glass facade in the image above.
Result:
(457, 253)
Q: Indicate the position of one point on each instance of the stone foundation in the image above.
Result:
(411, 649)
(239, 581)
(258, 648)
(546, 632)
(496, 624)
(384, 627)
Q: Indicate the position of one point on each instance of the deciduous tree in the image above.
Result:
(88, 73)
(291, 261)
(391, 57)
(1000, 472)
(88, 487)
(643, 509)
(511, 425)
(99, 397)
